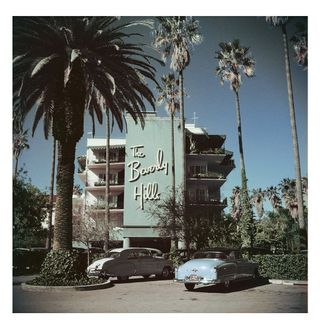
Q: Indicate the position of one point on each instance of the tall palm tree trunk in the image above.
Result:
(184, 167)
(175, 239)
(63, 218)
(242, 165)
(302, 224)
(107, 196)
(53, 165)
(247, 221)
(16, 167)
(173, 157)
(183, 132)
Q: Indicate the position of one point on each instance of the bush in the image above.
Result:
(63, 268)
(27, 260)
(292, 267)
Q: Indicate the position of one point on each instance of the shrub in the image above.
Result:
(27, 260)
(293, 267)
(63, 268)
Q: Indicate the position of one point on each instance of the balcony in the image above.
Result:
(207, 175)
(112, 206)
(208, 201)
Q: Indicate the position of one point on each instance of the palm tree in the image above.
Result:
(273, 196)
(64, 66)
(288, 191)
(107, 192)
(257, 199)
(282, 21)
(175, 36)
(300, 45)
(233, 61)
(20, 142)
(169, 93)
(53, 169)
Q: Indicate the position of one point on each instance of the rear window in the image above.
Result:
(210, 255)
(112, 254)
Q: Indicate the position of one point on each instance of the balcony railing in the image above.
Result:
(118, 159)
(102, 205)
(216, 151)
(208, 174)
(99, 183)
(102, 183)
(208, 201)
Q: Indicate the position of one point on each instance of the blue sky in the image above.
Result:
(264, 105)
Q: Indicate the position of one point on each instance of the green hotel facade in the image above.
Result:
(141, 175)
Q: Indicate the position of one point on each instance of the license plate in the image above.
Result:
(193, 277)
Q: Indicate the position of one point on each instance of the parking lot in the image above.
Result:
(165, 296)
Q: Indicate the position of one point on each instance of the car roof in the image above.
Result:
(219, 249)
(133, 248)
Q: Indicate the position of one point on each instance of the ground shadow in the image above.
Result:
(138, 279)
(235, 286)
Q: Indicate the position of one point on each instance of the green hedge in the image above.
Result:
(289, 267)
(64, 268)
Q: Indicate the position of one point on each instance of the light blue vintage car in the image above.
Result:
(215, 266)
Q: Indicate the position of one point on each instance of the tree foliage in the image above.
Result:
(65, 66)
(233, 61)
(175, 36)
(29, 211)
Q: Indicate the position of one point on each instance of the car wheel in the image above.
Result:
(122, 278)
(255, 275)
(166, 272)
(189, 286)
(104, 275)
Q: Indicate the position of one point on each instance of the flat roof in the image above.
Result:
(99, 142)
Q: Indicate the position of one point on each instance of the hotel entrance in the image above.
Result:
(163, 244)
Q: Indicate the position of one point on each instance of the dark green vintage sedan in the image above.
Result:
(133, 261)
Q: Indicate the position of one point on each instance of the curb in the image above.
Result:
(28, 287)
(288, 282)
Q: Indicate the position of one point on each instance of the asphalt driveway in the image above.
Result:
(165, 296)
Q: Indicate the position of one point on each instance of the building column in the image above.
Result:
(126, 242)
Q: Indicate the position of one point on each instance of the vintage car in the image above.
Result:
(215, 266)
(133, 261)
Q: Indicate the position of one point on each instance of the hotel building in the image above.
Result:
(141, 173)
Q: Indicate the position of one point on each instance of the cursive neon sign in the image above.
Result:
(150, 191)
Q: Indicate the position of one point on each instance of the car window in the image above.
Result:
(210, 255)
(138, 254)
(133, 255)
(112, 254)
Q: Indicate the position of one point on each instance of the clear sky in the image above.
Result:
(266, 129)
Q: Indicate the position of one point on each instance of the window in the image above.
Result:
(113, 178)
(113, 155)
(198, 169)
(102, 177)
(200, 194)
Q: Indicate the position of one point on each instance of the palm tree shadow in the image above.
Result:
(234, 287)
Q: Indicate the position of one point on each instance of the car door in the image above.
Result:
(241, 265)
(124, 265)
(146, 263)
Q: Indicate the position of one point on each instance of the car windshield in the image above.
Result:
(112, 254)
(210, 255)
